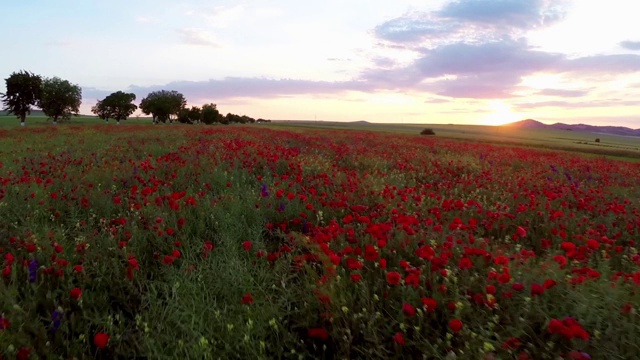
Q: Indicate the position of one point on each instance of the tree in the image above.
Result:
(210, 114)
(190, 116)
(60, 99)
(23, 91)
(163, 104)
(103, 111)
(117, 105)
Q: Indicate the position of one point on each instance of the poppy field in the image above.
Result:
(246, 242)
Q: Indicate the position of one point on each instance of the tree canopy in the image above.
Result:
(60, 99)
(161, 105)
(118, 105)
(23, 91)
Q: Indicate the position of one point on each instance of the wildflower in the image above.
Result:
(247, 298)
(455, 325)
(429, 304)
(100, 340)
(408, 310)
(56, 319)
(536, 289)
(33, 270)
(76, 294)
(393, 278)
(318, 333)
(247, 245)
(398, 338)
(4, 323)
(521, 231)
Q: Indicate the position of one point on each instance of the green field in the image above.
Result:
(610, 145)
(613, 146)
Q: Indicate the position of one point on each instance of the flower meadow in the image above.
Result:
(247, 242)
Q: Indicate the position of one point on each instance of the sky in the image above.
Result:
(484, 62)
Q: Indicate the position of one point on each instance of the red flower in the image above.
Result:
(521, 231)
(555, 326)
(76, 293)
(511, 343)
(355, 278)
(549, 283)
(101, 340)
(398, 339)
(455, 325)
(517, 287)
(168, 260)
(536, 289)
(23, 353)
(593, 244)
(247, 298)
(429, 304)
(393, 278)
(408, 310)
(465, 263)
(78, 268)
(247, 245)
(318, 333)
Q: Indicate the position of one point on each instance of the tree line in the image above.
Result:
(59, 100)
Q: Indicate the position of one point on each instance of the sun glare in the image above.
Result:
(500, 114)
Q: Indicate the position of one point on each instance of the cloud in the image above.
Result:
(630, 45)
(603, 64)
(563, 92)
(413, 27)
(510, 13)
(200, 37)
(577, 104)
(237, 87)
(471, 21)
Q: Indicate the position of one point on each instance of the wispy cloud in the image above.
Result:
(630, 45)
(563, 92)
(200, 37)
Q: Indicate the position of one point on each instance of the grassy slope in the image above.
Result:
(609, 145)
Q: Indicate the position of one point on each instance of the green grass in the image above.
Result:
(612, 146)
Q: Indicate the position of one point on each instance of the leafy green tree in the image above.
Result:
(103, 111)
(190, 116)
(23, 91)
(60, 99)
(210, 114)
(163, 104)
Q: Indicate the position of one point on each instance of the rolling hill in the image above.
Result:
(611, 130)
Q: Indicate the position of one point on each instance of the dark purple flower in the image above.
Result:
(56, 319)
(264, 192)
(33, 270)
(281, 207)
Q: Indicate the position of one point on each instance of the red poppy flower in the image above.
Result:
(408, 310)
(455, 325)
(247, 298)
(393, 278)
(101, 340)
(398, 338)
(429, 304)
(76, 293)
(318, 333)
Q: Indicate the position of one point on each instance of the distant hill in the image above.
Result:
(611, 130)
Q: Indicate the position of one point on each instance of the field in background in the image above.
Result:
(610, 145)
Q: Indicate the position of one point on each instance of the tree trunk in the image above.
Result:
(117, 122)
(22, 123)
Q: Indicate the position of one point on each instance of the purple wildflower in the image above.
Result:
(33, 270)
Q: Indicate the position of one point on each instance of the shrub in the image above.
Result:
(427, 131)
(597, 140)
